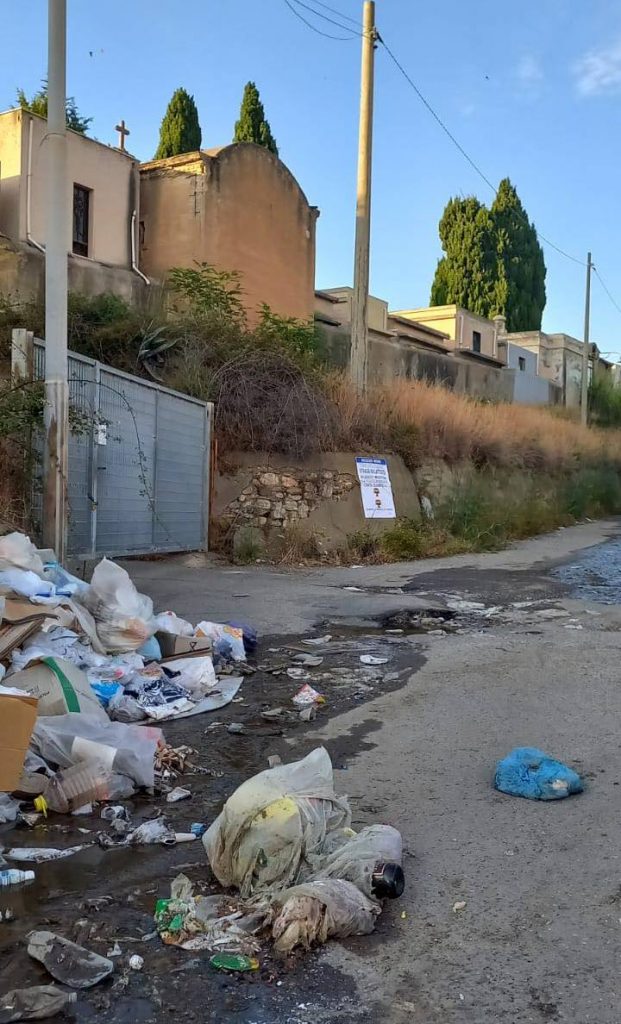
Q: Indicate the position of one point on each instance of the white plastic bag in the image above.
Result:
(317, 911)
(129, 750)
(226, 640)
(26, 583)
(355, 857)
(18, 552)
(197, 675)
(273, 823)
(124, 618)
(168, 622)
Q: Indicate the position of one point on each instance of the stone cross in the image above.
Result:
(123, 131)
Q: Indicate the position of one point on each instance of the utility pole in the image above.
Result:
(584, 399)
(359, 357)
(56, 239)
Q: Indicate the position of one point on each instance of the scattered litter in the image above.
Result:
(572, 625)
(229, 962)
(318, 641)
(372, 659)
(13, 876)
(308, 696)
(178, 793)
(531, 773)
(114, 952)
(459, 905)
(236, 729)
(38, 855)
(308, 660)
(552, 613)
(296, 673)
(136, 962)
(67, 962)
(355, 590)
(9, 808)
(307, 714)
(34, 1003)
(198, 828)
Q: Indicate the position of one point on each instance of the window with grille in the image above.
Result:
(81, 218)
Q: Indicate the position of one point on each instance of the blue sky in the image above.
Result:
(532, 89)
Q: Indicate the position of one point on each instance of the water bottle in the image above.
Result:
(12, 876)
(77, 786)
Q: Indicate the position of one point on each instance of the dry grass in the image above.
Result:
(424, 421)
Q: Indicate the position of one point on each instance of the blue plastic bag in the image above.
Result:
(105, 691)
(530, 773)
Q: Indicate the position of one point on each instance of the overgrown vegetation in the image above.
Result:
(273, 393)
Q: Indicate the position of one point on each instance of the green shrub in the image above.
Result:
(407, 539)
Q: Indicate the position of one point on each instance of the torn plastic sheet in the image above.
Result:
(317, 911)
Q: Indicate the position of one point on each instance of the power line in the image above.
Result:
(326, 7)
(607, 290)
(326, 35)
(461, 149)
(318, 14)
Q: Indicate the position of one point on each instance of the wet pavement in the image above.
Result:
(464, 676)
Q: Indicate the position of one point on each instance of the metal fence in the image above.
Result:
(138, 478)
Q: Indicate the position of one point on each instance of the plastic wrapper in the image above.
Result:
(9, 808)
(274, 823)
(317, 911)
(26, 583)
(18, 552)
(65, 584)
(228, 641)
(168, 622)
(57, 642)
(129, 750)
(354, 857)
(196, 675)
(38, 1002)
(124, 618)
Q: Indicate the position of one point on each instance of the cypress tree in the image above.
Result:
(252, 125)
(492, 261)
(180, 131)
(466, 274)
(521, 272)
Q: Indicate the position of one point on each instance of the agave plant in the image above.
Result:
(154, 342)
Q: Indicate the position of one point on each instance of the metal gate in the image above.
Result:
(138, 478)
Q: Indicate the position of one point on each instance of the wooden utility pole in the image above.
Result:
(584, 399)
(359, 356)
(56, 239)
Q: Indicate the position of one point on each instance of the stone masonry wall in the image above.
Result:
(279, 497)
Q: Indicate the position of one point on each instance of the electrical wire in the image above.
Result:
(461, 149)
(339, 14)
(357, 31)
(313, 28)
(607, 290)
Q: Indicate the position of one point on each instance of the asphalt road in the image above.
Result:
(539, 936)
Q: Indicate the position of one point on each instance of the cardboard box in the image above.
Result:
(173, 646)
(17, 718)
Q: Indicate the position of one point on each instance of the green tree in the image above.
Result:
(466, 274)
(521, 272)
(180, 131)
(492, 261)
(37, 104)
(252, 125)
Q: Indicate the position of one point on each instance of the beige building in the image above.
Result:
(238, 208)
(399, 347)
(103, 196)
(559, 359)
(466, 331)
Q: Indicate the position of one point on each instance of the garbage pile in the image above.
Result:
(88, 672)
(284, 841)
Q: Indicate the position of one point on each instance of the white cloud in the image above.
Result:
(599, 71)
(529, 71)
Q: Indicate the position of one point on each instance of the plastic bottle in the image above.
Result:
(77, 786)
(13, 876)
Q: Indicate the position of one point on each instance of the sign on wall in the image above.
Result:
(375, 489)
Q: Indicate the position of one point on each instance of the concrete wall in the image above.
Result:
(22, 276)
(458, 324)
(111, 176)
(559, 360)
(323, 488)
(391, 357)
(529, 387)
(238, 208)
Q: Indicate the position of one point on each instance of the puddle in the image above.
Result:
(596, 576)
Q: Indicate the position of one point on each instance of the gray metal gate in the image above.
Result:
(138, 478)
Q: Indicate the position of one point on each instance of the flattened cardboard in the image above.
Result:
(17, 718)
(173, 646)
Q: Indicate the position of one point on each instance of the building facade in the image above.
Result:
(466, 331)
(240, 209)
(103, 194)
